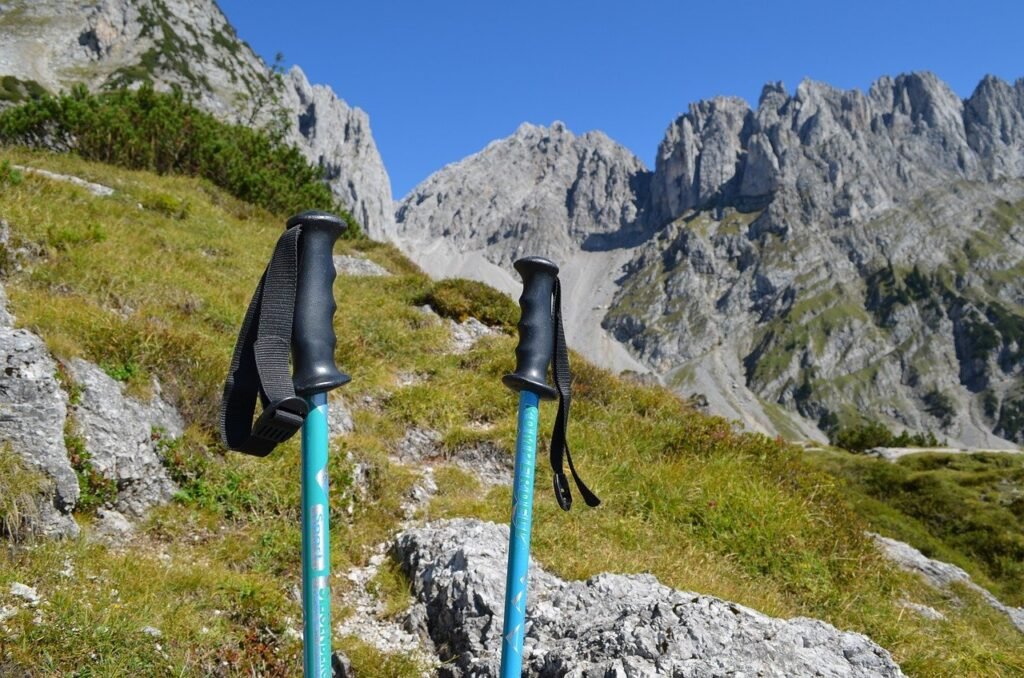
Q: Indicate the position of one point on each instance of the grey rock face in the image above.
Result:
(121, 437)
(32, 412)
(840, 153)
(844, 253)
(610, 625)
(33, 409)
(542, 191)
(191, 45)
(337, 137)
(699, 155)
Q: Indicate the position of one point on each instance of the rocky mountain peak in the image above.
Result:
(542, 190)
(861, 153)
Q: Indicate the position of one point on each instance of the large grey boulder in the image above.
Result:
(121, 437)
(609, 625)
(33, 409)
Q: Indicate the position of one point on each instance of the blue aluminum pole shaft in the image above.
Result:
(514, 630)
(316, 542)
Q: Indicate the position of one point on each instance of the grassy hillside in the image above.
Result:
(148, 291)
(963, 509)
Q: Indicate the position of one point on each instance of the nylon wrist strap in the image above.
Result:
(259, 364)
(559, 444)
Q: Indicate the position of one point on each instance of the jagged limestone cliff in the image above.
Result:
(52, 45)
(829, 256)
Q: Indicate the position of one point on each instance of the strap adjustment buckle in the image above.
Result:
(279, 421)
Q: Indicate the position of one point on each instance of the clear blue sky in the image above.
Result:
(441, 79)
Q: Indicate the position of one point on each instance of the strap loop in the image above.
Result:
(259, 364)
(559, 444)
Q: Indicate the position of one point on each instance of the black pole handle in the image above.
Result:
(313, 339)
(536, 328)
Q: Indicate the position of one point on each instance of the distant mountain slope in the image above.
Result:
(190, 44)
(577, 199)
(829, 257)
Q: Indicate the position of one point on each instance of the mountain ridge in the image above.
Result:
(753, 215)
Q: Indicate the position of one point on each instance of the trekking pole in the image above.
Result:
(540, 336)
(292, 311)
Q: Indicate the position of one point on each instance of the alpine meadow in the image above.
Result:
(803, 424)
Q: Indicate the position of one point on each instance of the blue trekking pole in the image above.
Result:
(541, 336)
(292, 313)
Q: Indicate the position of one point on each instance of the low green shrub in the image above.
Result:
(165, 133)
(873, 434)
(9, 175)
(459, 299)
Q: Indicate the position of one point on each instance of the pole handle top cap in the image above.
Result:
(536, 328)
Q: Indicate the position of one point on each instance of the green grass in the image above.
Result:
(21, 490)
(161, 294)
(964, 509)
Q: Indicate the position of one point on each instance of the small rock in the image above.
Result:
(941, 575)
(467, 333)
(26, 593)
(358, 266)
(341, 667)
(111, 527)
(96, 189)
(419, 444)
(6, 613)
(152, 631)
(6, 319)
(925, 611)
(339, 417)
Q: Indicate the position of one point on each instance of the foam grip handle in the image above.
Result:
(313, 339)
(536, 328)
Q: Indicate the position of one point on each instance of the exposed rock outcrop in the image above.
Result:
(345, 264)
(33, 409)
(610, 625)
(189, 44)
(844, 252)
(122, 437)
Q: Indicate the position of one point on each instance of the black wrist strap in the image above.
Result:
(559, 445)
(259, 365)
